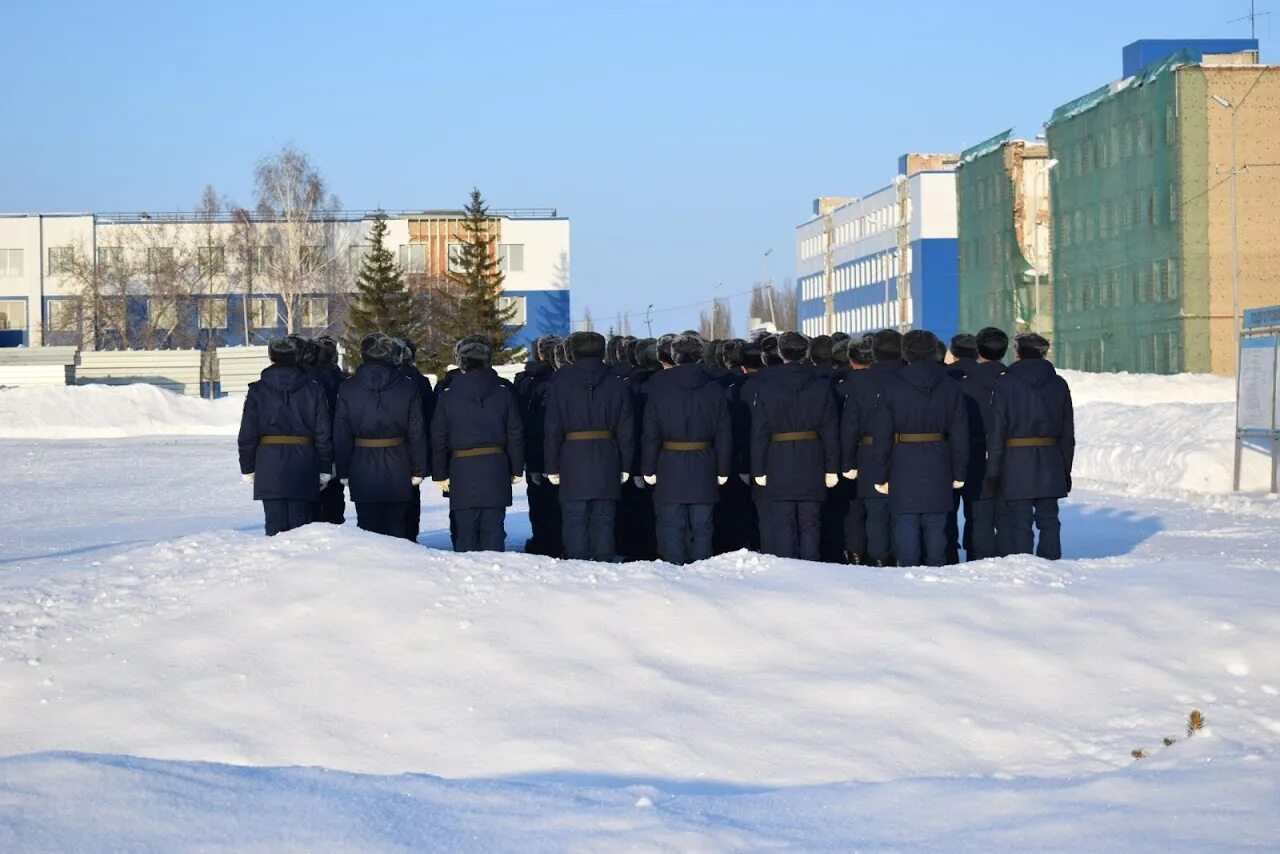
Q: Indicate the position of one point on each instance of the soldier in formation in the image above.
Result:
(859, 450)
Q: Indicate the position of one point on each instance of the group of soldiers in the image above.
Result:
(851, 450)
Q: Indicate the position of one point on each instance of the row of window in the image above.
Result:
(990, 191)
(62, 314)
(212, 260)
(874, 270)
(1134, 137)
(1159, 353)
(1138, 209)
(858, 228)
(1132, 285)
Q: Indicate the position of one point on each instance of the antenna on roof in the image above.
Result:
(1252, 18)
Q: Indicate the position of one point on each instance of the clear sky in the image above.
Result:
(683, 139)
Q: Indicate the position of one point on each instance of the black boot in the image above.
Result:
(854, 559)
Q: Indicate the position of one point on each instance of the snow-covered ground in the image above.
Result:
(171, 679)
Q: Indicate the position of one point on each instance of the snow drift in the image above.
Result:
(112, 412)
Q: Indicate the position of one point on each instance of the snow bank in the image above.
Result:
(75, 802)
(1147, 389)
(112, 412)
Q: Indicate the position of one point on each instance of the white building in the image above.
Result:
(179, 279)
(852, 253)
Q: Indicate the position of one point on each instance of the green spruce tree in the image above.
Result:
(477, 284)
(382, 303)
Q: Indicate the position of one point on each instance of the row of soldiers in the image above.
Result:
(826, 448)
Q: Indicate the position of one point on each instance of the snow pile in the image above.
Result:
(112, 412)
(1148, 434)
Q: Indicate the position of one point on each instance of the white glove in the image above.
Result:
(515, 478)
(626, 476)
(651, 479)
(638, 481)
(442, 484)
(325, 477)
(957, 484)
(535, 478)
(832, 480)
(762, 480)
(553, 479)
(416, 481)
(746, 479)
(851, 474)
(882, 488)
(721, 480)
(344, 481)
(247, 478)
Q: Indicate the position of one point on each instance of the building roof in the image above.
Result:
(131, 217)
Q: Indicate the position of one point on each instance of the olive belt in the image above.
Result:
(380, 443)
(587, 435)
(286, 440)
(686, 446)
(919, 438)
(868, 440)
(799, 436)
(483, 451)
(1044, 442)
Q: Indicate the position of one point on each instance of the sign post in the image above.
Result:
(1257, 380)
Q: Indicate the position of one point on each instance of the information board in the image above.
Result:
(1255, 408)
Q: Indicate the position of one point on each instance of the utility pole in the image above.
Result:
(648, 319)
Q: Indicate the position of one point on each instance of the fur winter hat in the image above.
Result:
(752, 356)
(585, 345)
(821, 349)
(562, 354)
(687, 349)
(840, 352)
(379, 348)
(647, 355)
(887, 345)
(862, 351)
(1031, 345)
(664, 348)
(731, 354)
(474, 354)
(992, 343)
(919, 345)
(769, 350)
(793, 347)
(283, 351)
(964, 346)
(327, 351)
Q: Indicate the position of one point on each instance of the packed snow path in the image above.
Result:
(742, 702)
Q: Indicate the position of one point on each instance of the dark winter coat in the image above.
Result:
(285, 403)
(688, 407)
(922, 399)
(789, 399)
(587, 396)
(639, 386)
(330, 379)
(532, 390)
(477, 411)
(380, 402)
(739, 421)
(423, 384)
(978, 382)
(862, 393)
(1032, 402)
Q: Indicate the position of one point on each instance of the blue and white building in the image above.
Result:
(853, 253)
(187, 280)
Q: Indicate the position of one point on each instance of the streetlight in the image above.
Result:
(768, 285)
(1235, 232)
(648, 319)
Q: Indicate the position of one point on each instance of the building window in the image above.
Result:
(264, 313)
(413, 257)
(160, 259)
(13, 314)
(511, 257)
(263, 257)
(456, 256)
(1173, 203)
(10, 262)
(162, 313)
(213, 313)
(310, 258)
(517, 306)
(61, 259)
(212, 259)
(61, 314)
(315, 312)
(1171, 278)
(110, 259)
(113, 314)
(355, 258)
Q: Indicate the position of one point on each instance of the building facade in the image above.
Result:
(1002, 188)
(188, 280)
(853, 253)
(1142, 212)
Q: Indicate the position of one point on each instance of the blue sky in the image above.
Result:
(683, 139)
